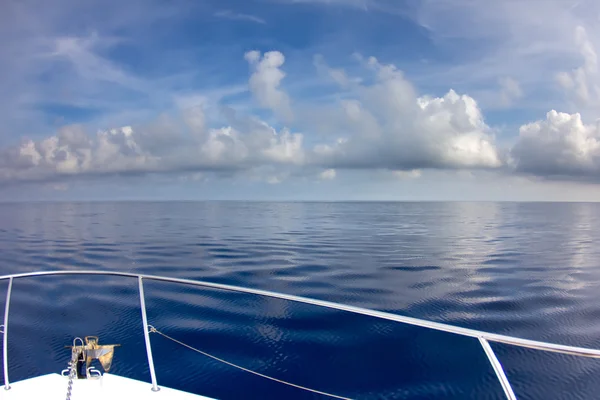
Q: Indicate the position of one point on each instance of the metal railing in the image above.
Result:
(483, 337)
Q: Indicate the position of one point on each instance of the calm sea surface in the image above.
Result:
(526, 269)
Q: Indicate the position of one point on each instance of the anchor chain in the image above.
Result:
(72, 367)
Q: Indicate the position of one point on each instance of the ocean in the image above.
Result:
(530, 270)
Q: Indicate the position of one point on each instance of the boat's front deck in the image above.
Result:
(111, 387)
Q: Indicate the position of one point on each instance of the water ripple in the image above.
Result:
(525, 269)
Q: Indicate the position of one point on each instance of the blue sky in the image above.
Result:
(300, 100)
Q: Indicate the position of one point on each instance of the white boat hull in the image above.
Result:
(108, 387)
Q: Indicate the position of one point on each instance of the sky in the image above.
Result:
(300, 100)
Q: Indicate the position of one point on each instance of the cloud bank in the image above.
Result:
(377, 121)
(379, 125)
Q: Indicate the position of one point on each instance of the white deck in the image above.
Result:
(109, 387)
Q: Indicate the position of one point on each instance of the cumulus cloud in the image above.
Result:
(559, 146)
(378, 122)
(72, 152)
(388, 126)
(382, 124)
(265, 82)
(184, 147)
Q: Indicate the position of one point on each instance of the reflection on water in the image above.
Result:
(525, 269)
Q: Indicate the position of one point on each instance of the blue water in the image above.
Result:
(525, 269)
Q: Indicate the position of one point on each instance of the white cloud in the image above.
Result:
(228, 14)
(412, 174)
(388, 126)
(376, 120)
(327, 175)
(559, 146)
(532, 42)
(338, 75)
(381, 125)
(176, 147)
(87, 64)
(265, 82)
(285, 147)
(72, 152)
(583, 82)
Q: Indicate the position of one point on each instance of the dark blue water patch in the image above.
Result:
(290, 339)
(528, 270)
(570, 377)
(57, 308)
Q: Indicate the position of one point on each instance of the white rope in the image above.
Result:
(154, 330)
